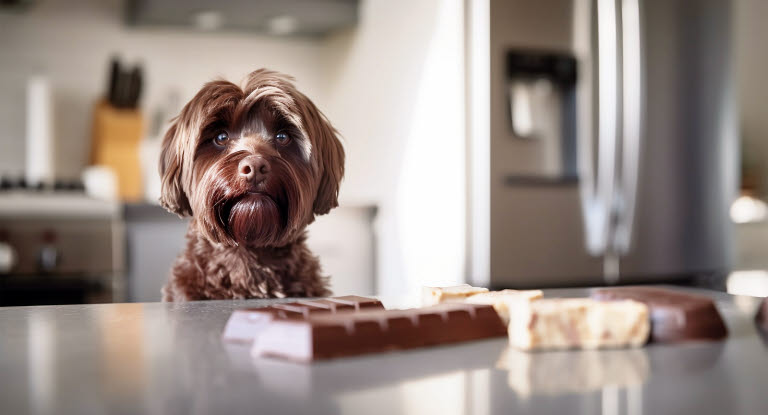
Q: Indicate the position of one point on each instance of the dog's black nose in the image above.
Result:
(254, 168)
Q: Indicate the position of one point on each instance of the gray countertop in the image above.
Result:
(168, 358)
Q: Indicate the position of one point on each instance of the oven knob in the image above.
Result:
(7, 257)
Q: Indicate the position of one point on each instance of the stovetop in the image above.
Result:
(13, 183)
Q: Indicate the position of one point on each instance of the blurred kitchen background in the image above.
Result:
(505, 143)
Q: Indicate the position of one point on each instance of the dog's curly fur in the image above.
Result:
(252, 166)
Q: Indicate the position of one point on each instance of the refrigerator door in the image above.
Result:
(536, 234)
(688, 159)
(675, 148)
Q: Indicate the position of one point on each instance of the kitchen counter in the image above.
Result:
(168, 358)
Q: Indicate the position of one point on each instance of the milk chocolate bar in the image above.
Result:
(323, 336)
(675, 316)
(566, 323)
(246, 324)
(457, 293)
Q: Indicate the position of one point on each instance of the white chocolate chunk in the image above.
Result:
(565, 323)
(503, 300)
(454, 294)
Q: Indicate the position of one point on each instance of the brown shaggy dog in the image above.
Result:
(252, 166)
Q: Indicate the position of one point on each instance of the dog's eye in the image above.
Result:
(221, 139)
(282, 138)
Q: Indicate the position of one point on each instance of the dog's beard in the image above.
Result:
(253, 218)
(235, 213)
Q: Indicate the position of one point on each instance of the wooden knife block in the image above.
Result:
(115, 143)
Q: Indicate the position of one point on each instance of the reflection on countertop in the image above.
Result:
(588, 370)
(169, 358)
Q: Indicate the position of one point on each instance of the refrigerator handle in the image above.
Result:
(632, 105)
(598, 189)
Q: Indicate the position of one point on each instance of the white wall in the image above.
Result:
(395, 91)
(71, 41)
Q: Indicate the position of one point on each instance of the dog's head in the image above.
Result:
(253, 165)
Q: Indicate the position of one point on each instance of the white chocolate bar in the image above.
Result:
(502, 300)
(565, 323)
(455, 294)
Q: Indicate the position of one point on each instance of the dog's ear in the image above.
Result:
(178, 148)
(327, 151)
(172, 196)
(331, 157)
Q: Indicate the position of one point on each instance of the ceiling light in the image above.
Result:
(208, 20)
(282, 25)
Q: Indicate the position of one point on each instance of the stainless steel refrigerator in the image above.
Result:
(603, 141)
